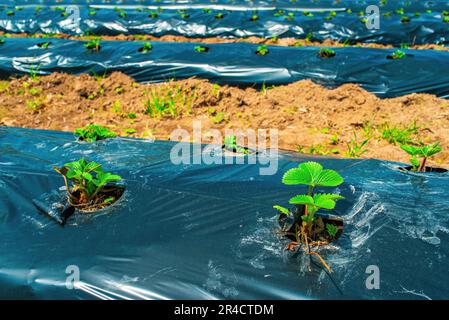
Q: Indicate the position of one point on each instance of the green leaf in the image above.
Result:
(312, 174)
(331, 229)
(302, 199)
(71, 174)
(282, 210)
(326, 201)
(87, 176)
(411, 150)
(92, 166)
(431, 150)
(329, 178)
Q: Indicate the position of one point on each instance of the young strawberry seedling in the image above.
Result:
(201, 49)
(262, 50)
(405, 19)
(398, 54)
(254, 17)
(94, 132)
(90, 188)
(219, 16)
(146, 47)
(44, 45)
(326, 53)
(423, 152)
(309, 228)
(93, 45)
(230, 143)
(153, 15)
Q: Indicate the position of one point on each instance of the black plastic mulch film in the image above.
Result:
(234, 63)
(198, 231)
(318, 20)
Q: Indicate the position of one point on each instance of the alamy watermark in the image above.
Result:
(184, 153)
(73, 278)
(372, 17)
(373, 280)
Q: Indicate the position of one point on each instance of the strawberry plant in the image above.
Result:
(201, 49)
(398, 54)
(93, 45)
(230, 143)
(262, 50)
(423, 152)
(405, 19)
(254, 17)
(88, 186)
(94, 132)
(146, 47)
(308, 226)
(153, 15)
(326, 53)
(219, 16)
(44, 45)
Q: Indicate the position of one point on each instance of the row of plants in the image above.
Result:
(94, 45)
(254, 16)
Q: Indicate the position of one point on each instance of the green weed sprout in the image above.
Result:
(219, 16)
(423, 152)
(332, 229)
(254, 17)
(262, 50)
(94, 132)
(230, 143)
(446, 19)
(153, 15)
(87, 180)
(355, 148)
(201, 49)
(94, 44)
(311, 174)
(326, 53)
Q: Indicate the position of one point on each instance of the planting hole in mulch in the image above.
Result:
(290, 224)
(427, 170)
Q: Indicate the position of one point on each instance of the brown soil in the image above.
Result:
(256, 40)
(309, 117)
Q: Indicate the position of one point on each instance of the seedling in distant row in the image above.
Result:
(207, 10)
(254, 17)
(88, 182)
(94, 45)
(44, 45)
(326, 53)
(398, 54)
(423, 152)
(262, 50)
(405, 19)
(219, 16)
(94, 132)
(147, 47)
(201, 49)
(153, 15)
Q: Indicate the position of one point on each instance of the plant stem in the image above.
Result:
(422, 168)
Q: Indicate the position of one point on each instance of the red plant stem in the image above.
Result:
(422, 168)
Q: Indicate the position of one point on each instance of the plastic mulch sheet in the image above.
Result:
(197, 231)
(235, 21)
(235, 64)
